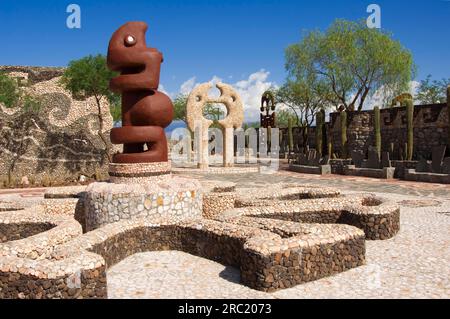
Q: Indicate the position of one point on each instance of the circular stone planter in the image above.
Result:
(171, 197)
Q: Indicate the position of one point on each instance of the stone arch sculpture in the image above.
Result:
(196, 121)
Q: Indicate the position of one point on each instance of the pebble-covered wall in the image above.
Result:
(61, 142)
(430, 130)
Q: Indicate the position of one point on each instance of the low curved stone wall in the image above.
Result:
(283, 192)
(380, 219)
(269, 258)
(218, 170)
(267, 261)
(277, 239)
(10, 206)
(42, 232)
(16, 231)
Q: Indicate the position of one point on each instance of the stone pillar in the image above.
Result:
(228, 147)
(203, 149)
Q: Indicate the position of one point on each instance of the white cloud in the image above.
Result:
(188, 86)
(251, 91)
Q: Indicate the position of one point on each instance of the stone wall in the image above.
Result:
(430, 129)
(278, 238)
(59, 142)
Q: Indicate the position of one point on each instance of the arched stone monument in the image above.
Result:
(197, 100)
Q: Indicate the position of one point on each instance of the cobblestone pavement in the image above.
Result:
(414, 264)
(349, 183)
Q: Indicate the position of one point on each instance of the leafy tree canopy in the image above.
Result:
(11, 95)
(351, 59)
(433, 91)
(9, 91)
(283, 116)
(89, 77)
(304, 98)
(210, 111)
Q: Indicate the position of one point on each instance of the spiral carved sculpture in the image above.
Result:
(145, 110)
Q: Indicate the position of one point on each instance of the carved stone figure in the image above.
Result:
(267, 104)
(145, 110)
(194, 112)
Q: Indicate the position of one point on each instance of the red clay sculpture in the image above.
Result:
(145, 110)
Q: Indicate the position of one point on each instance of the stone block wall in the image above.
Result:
(430, 129)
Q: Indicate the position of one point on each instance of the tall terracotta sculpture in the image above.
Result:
(145, 110)
(141, 184)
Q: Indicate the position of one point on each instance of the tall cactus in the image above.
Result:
(290, 136)
(410, 129)
(320, 119)
(344, 134)
(377, 128)
(330, 149)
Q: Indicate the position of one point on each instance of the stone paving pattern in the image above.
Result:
(412, 264)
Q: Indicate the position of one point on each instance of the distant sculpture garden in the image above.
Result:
(347, 102)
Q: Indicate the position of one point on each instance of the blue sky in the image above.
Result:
(232, 40)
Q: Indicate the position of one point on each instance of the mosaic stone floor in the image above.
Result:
(414, 264)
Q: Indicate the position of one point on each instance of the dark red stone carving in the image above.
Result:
(145, 110)
(267, 105)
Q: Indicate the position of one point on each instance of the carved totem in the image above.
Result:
(145, 110)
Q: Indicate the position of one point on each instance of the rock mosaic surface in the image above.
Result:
(60, 142)
(277, 238)
(176, 199)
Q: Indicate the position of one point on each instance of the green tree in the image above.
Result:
(9, 91)
(179, 108)
(213, 112)
(283, 116)
(12, 96)
(304, 95)
(89, 77)
(210, 111)
(353, 60)
(432, 91)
